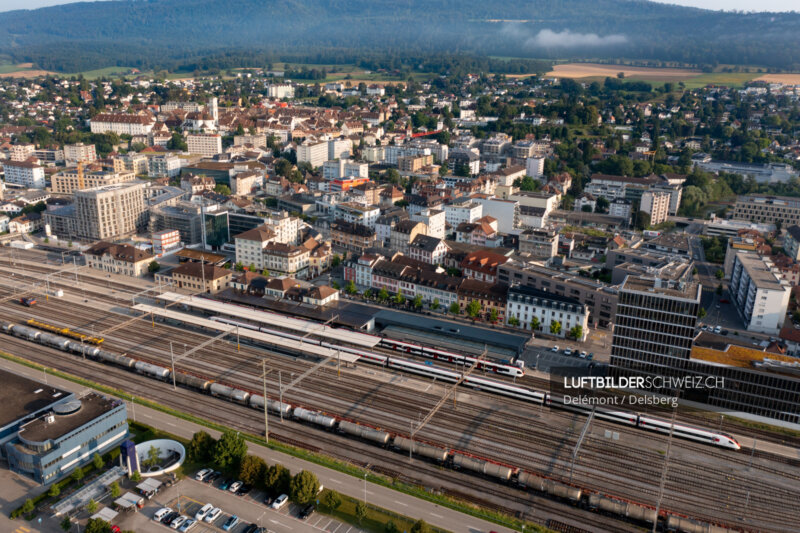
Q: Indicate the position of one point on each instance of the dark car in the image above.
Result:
(252, 528)
(268, 499)
(226, 483)
(170, 517)
(244, 489)
(307, 511)
(213, 476)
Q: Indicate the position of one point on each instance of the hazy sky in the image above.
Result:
(744, 5)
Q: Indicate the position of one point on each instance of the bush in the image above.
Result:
(252, 470)
(331, 500)
(361, 511)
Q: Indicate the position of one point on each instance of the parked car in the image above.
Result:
(186, 526)
(230, 523)
(590, 356)
(567, 351)
(252, 528)
(244, 490)
(178, 521)
(213, 476)
(161, 513)
(280, 501)
(202, 474)
(583, 354)
(268, 499)
(212, 515)
(235, 486)
(225, 484)
(169, 517)
(718, 329)
(307, 511)
(554, 349)
(203, 512)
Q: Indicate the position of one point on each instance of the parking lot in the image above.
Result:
(189, 496)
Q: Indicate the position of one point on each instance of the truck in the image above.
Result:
(27, 301)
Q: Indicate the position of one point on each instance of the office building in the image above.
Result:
(45, 433)
(185, 217)
(767, 209)
(760, 295)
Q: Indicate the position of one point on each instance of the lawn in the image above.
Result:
(6, 68)
(729, 79)
(102, 72)
(376, 519)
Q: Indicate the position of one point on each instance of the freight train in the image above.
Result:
(451, 458)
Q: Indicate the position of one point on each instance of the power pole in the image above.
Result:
(264, 380)
(666, 466)
(172, 356)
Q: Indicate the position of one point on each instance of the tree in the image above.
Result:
(601, 205)
(383, 295)
(66, 523)
(277, 479)
(454, 308)
(391, 527)
(97, 525)
(719, 289)
(361, 511)
(473, 308)
(54, 491)
(28, 506)
(332, 500)
(399, 299)
(177, 143)
(231, 448)
(493, 315)
(252, 470)
(153, 266)
(115, 490)
(239, 267)
(350, 288)
(201, 447)
(641, 220)
(435, 305)
(555, 327)
(221, 188)
(576, 332)
(152, 457)
(283, 167)
(535, 323)
(513, 321)
(719, 274)
(336, 260)
(303, 487)
(701, 313)
(91, 507)
(417, 302)
(368, 294)
(136, 477)
(97, 461)
(694, 271)
(420, 526)
(796, 316)
(77, 475)
(336, 285)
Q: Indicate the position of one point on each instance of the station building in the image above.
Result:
(45, 432)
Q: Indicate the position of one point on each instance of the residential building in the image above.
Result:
(132, 162)
(791, 242)
(165, 241)
(197, 184)
(26, 173)
(22, 152)
(27, 223)
(121, 259)
(200, 277)
(460, 212)
(286, 260)
(524, 304)
(205, 144)
(340, 149)
(403, 233)
(534, 167)
(184, 217)
(749, 242)
(122, 124)
(244, 183)
(482, 265)
(490, 296)
(79, 152)
(46, 433)
(344, 168)
(70, 180)
(3, 223)
(313, 152)
(428, 249)
(483, 232)
(760, 296)
(767, 209)
(655, 204)
(385, 223)
(164, 166)
(539, 243)
(434, 220)
(466, 159)
(670, 244)
(351, 236)
(622, 208)
(250, 246)
(506, 212)
(280, 91)
(357, 213)
(49, 156)
(413, 163)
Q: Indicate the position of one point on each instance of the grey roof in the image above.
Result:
(794, 231)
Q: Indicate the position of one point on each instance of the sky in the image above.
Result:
(728, 5)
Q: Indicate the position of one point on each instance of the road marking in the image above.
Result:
(280, 524)
(436, 515)
(370, 492)
(171, 424)
(401, 503)
(336, 481)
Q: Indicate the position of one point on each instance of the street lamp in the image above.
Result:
(365, 488)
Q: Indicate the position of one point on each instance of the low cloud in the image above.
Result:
(561, 39)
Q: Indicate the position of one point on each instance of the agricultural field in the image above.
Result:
(596, 70)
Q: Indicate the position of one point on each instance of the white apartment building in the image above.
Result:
(534, 167)
(357, 213)
(525, 303)
(25, 173)
(21, 152)
(122, 124)
(280, 91)
(133, 162)
(340, 148)
(3, 223)
(74, 153)
(656, 204)
(111, 212)
(759, 294)
(164, 166)
(434, 219)
(205, 144)
(250, 246)
(315, 153)
(466, 211)
(344, 168)
(620, 208)
(243, 183)
(505, 211)
(286, 228)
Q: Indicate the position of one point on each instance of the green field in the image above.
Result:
(729, 79)
(107, 72)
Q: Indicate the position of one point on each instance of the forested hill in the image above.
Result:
(155, 33)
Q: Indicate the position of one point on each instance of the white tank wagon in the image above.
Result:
(25, 332)
(116, 359)
(48, 339)
(191, 381)
(149, 369)
(550, 487)
(685, 525)
(421, 449)
(257, 402)
(364, 432)
(626, 509)
(225, 391)
(83, 349)
(314, 417)
(482, 467)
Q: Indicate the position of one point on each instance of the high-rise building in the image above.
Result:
(315, 153)
(534, 167)
(73, 179)
(655, 324)
(25, 173)
(655, 204)
(760, 295)
(205, 144)
(74, 153)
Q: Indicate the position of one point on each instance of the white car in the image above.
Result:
(554, 349)
(186, 526)
(280, 501)
(161, 513)
(212, 515)
(718, 329)
(203, 512)
(235, 486)
(201, 475)
(178, 522)
(567, 351)
(583, 354)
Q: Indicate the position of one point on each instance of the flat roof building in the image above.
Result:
(760, 295)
